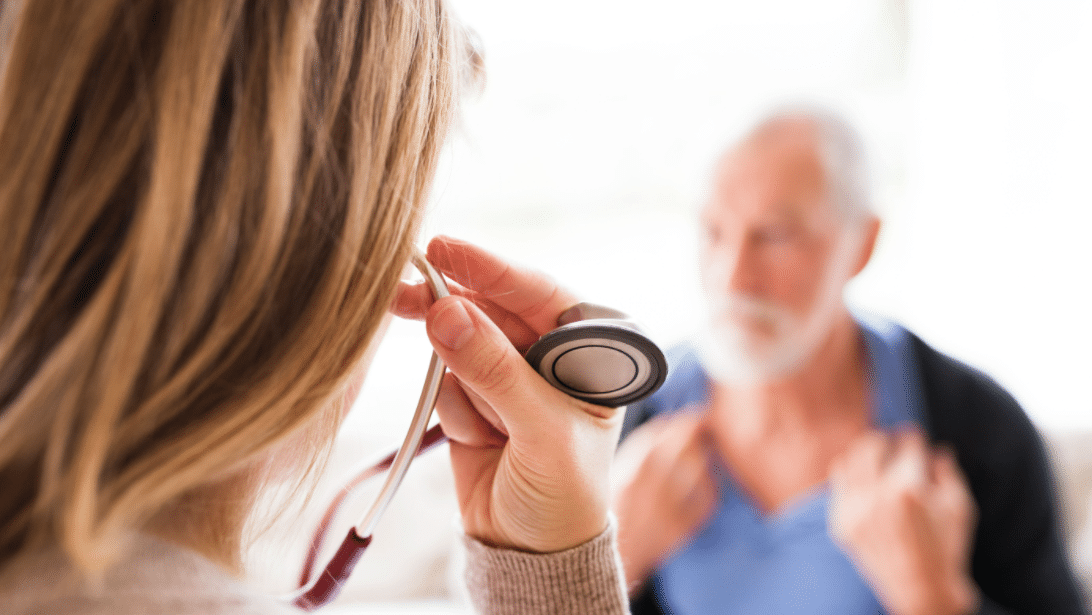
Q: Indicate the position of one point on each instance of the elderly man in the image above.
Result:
(802, 459)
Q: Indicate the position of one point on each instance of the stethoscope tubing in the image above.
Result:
(421, 415)
(326, 586)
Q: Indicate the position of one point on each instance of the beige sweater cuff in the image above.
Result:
(584, 579)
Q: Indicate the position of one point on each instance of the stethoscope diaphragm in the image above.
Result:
(600, 356)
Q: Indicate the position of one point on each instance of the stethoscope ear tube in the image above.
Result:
(325, 587)
(600, 356)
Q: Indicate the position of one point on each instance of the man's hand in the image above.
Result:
(531, 464)
(903, 513)
(664, 491)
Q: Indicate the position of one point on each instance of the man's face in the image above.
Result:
(775, 256)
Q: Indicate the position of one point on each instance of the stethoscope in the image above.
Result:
(596, 354)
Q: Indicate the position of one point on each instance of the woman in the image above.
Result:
(205, 208)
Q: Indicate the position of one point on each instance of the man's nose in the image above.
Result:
(734, 267)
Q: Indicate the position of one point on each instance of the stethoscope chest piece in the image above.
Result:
(600, 356)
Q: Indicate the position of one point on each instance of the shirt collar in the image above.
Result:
(897, 396)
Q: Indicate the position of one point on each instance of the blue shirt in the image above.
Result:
(745, 561)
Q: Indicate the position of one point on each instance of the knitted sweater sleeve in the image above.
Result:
(584, 579)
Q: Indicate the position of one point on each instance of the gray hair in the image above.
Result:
(841, 152)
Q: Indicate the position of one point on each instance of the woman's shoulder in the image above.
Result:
(157, 577)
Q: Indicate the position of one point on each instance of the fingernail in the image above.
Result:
(452, 326)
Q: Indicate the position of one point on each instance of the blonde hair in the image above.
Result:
(204, 210)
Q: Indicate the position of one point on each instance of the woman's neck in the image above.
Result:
(210, 520)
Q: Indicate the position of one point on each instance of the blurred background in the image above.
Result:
(588, 152)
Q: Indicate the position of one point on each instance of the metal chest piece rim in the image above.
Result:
(600, 356)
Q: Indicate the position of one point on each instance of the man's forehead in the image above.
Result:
(788, 146)
(780, 175)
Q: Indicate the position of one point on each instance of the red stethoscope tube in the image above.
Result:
(326, 587)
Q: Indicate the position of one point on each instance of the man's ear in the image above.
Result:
(870, 232)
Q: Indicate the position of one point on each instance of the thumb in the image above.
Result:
(951, 489)
(483, 359)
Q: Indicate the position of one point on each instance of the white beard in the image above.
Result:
(747, 341)
(733, 355)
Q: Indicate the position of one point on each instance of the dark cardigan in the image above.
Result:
(1019, 561)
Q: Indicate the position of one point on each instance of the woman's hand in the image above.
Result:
(531, 463)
